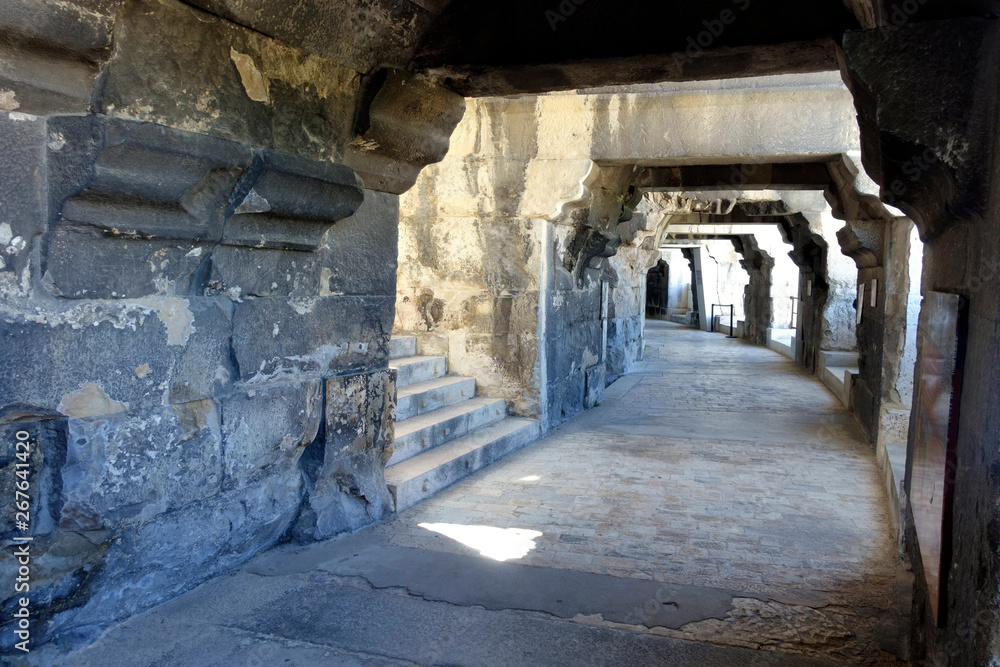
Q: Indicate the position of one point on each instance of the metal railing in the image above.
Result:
(732, 315)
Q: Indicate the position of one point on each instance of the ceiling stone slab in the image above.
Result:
(361, 34)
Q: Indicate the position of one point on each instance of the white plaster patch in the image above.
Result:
(56, 141)
(176, 317)
(196, 252)
(303, 305)
(324, 281)
(222, 375)
(322, 357)
(21, 117)
(254, 82)
(90, 400)
(8, 100)
(5, 233)
(254, 203)
(16, 245)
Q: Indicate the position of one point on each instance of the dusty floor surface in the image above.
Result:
(719, 508)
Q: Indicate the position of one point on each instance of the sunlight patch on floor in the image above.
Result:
(500, 544)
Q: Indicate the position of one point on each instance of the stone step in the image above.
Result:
(425, 432)
(839, 358)
(838, 379)
(418, 399)
(413, 370)
(424, 475)
(402, 346)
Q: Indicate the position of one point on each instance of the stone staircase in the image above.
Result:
(836, 370)
(444, 432)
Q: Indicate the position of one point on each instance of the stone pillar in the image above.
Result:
(625, 274)
(809, 253)
(866, 243)
(927, 97)
(758, 309)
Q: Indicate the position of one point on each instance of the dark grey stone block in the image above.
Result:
(203, 366)
(313, 336)
(120, 349)
(22, 143)
(358, 254)
(349, 490)
(264, 273)
(268, 428)
(83, 263)
(152, 561)
(121, 467)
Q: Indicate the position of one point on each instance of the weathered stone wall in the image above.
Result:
(839, 316)
(882, 251)
(927, 95)
(625, 275)
(470, 268)
(511, 297)
(175, 360)
(195, 300)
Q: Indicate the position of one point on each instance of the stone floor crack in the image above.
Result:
(299, 642)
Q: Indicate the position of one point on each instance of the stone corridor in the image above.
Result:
(719, 502)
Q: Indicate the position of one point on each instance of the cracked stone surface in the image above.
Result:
(718, 508)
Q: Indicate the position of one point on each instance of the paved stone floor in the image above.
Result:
(719, 507)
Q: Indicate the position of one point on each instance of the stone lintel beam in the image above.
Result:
(713, 228)
(743, 219)
(721, 63)
(793, 176)
(687, 239)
